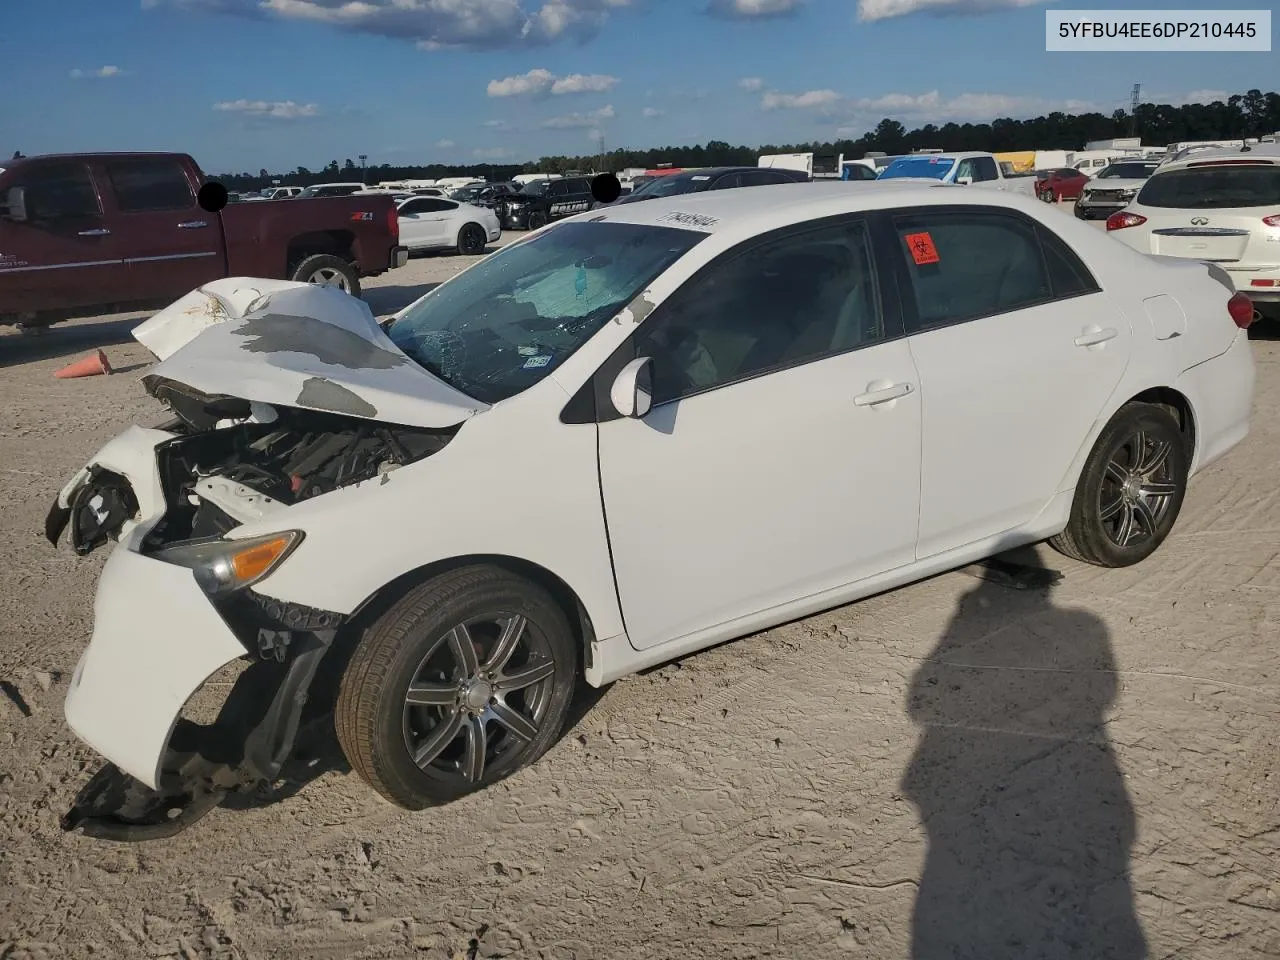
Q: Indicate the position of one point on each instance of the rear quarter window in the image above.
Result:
(1214, 188)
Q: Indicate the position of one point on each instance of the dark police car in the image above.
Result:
(542, 201)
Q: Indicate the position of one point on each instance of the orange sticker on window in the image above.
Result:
(922, 249)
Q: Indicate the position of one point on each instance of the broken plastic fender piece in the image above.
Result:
(116, 806)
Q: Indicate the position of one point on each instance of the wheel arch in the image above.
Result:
(338, 243)
(1175, 401)
(565, 596)
(1178, 404)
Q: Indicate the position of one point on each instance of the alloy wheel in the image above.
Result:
(1137, 489)
(478, 698)
(330, 277)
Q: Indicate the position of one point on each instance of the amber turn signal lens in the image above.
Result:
(253, 562)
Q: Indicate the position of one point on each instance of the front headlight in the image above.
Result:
(221, 566)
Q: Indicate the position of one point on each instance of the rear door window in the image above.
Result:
(142, 185)
(60, 191)
(1214, 188)
(985, 169)
(761, 178)
(962, 265)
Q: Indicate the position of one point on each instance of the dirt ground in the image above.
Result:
(1090, 770)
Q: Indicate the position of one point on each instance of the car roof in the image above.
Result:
(759, 209)
(1262, 152)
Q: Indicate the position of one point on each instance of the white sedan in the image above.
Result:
(436, 223)
(623, 438)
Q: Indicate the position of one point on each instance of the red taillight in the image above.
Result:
(1118, 221)
(1272, 221)
(393, 223)
(1241, 309)
(1264, 283)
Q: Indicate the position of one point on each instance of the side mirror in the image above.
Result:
(17, 205)
(632, 390)
(964, 181)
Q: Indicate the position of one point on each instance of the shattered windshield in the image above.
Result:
(501, 326)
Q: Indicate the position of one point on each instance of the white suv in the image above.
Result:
(1219, 206)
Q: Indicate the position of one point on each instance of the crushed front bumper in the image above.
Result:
(157, 638)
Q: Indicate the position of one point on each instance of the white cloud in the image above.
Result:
(871, 10)
(496, 124)
(579, 121)
(534, 83)
(269, 109)
(584, 83)
(594, 135)
(649, 113)
(540, 83)
(751, 84)
(925, 107)
(493, 153)
(753, 9)
(432, 24)
(102, 73)
(445, 144)
(796, 101)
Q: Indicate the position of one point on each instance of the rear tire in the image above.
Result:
(442, 639)
(1130, 490)
(327, 270)
(471, 240)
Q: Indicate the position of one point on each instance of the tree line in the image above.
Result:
(1251, 114)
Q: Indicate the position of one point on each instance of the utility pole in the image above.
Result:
(1133, 109)
(600, 142)
(363, 158)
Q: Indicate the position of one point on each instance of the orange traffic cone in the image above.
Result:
(90, 366)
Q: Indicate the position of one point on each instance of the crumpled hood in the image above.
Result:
(299, 345)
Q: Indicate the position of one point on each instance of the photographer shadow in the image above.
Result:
(1028, 821)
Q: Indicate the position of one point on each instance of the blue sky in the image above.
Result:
(244, 84)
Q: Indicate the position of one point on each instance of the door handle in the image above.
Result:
(880, 394)
(97, 232)
(1093, 336)
(192, 225)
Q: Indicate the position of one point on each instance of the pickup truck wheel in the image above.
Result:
(463, 681)
(326, 270)
(471, 239)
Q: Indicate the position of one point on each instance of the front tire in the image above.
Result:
(326, 270)
(462, 682)
(537, 220)
(1130, 491)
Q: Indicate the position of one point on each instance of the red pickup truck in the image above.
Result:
(84, 233)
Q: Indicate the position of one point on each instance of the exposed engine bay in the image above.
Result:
(222, 462)
(237, 460)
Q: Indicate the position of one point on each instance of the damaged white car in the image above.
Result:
(626, 437)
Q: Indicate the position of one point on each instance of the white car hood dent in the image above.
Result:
(298, 345)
